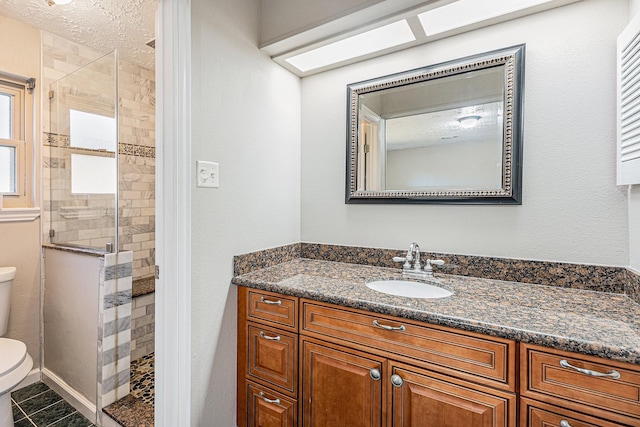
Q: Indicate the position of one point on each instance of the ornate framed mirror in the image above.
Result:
(445, 133)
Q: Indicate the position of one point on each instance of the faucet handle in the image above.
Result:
(406, 260)
(430, 262)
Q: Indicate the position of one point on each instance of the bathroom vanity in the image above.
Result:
(316, 347)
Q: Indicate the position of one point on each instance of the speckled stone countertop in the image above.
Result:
(588, 322)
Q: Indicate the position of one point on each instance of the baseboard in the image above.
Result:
(32, 377)
(75, 399)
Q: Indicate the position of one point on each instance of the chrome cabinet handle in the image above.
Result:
(396, 380)
(267, 337)
(266, 301)
(274, 401)
(565, 423)
(375, 374)
(389, 328)
(614, 375)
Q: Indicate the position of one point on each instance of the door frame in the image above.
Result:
(173, 214)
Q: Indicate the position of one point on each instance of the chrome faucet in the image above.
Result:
(412, 266)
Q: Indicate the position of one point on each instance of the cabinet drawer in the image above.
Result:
(477, 357)
(538, 414)
(267, 408)
(548, 375)
(273, 357)
(275, 308)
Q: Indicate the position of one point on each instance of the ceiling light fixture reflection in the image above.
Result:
(469, 121)
(52, 2)
(362, 44)
(466, 12)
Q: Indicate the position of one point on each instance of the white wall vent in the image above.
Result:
(629, 104)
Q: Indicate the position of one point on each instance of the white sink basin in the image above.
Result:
(403, 288)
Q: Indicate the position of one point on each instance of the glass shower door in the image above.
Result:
(84, 157)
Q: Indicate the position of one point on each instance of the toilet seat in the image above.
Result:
(15, 363)
(12, 353)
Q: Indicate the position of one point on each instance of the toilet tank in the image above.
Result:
(6, 279)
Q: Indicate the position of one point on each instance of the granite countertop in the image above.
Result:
(595, 323)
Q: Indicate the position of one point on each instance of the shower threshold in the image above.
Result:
(137, 409)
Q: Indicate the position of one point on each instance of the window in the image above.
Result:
(15, 131)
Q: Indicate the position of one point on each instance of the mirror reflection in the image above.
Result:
(438, 134)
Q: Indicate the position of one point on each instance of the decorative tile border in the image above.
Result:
(64, 141)
(566, 275)
(137, 150)
(56, 140)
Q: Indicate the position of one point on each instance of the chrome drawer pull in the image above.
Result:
(267, 337)
(266, 301)
(614, 375)
(565, 423)
(389, 328)
(274, 401)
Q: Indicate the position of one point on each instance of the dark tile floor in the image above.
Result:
(37, 405)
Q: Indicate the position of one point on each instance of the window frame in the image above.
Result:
(22, 139)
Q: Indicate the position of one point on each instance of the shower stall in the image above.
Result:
(87, 276)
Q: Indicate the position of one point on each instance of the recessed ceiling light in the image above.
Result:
(52, 2)
(362, 44)
(466, 12)
(469, 121)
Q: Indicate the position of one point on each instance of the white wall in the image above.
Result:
(20, 241)
(572, 210)
(246, 116)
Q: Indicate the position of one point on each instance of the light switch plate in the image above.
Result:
(207, 174)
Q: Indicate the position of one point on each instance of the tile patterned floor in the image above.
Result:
(142, 378)
(39, 406)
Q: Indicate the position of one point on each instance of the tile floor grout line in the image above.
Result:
(31, 397)
(23, 412)
(46, 407)
(58, 420)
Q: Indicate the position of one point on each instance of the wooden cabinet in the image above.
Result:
(588, 385)
(267, 408)
(267, 370)
(340, 388)
(474, 357)
(538, 414)
(425, 398)
(334, 367)
(312, 364)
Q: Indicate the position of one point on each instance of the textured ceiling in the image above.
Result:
(103, 25)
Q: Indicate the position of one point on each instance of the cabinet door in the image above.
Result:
(340, 387)
(424, 398)
(269, 409)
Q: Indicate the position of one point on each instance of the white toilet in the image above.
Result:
(15, 362)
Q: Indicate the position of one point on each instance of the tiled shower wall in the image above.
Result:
(136, 166)
(142, 326)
